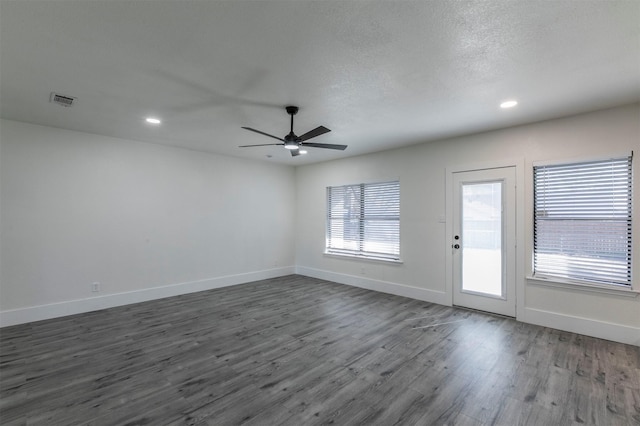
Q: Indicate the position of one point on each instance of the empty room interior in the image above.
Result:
(319, 212)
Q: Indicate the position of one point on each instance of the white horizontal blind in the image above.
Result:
(364, 220)
(582, 224)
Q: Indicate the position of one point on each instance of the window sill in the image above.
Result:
(367, 258)
(580, 286)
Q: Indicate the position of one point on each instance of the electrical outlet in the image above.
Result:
(95, 287)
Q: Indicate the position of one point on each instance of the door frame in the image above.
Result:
(521, 242)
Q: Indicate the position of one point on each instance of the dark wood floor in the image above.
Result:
(301, 351)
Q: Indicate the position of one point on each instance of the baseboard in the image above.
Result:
(588, 327)
(71, 307)
(585, 326)
(376, 285)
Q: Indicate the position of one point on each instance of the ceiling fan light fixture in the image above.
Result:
(291, 145)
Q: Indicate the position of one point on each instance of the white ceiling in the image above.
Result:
(380, 74)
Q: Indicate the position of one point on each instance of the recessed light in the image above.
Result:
(153, 120)
(508, 104)
(302, 152)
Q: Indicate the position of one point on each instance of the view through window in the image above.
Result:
(364, 220)
(582, 223)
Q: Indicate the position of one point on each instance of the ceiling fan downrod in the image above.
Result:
(291, 140)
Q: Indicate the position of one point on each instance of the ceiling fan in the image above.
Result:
(294, 143)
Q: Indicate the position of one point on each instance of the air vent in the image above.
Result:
(64, 100)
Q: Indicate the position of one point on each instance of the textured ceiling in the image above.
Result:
(380, 74)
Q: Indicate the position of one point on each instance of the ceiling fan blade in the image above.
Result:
(263, 133)
(326, 145)
(295, 152)
(262, 144)
(321, 130)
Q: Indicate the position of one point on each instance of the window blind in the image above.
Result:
(582, 223)
(364, 220)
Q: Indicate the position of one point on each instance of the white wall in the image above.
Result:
(144, 220)
(422, 171)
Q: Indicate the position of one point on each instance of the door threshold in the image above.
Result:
(484, 312)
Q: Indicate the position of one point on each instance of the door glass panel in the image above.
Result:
(481, 239)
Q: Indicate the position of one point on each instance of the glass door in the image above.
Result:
(484, 240)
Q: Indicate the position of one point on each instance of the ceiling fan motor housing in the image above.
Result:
(291, 141)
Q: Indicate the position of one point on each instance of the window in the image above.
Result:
(582, 222)
(364, 220)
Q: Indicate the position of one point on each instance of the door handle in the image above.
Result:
(456, 246)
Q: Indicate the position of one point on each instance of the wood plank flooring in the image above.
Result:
(301, 351)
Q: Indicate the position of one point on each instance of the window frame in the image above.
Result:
(567, 282)
(360, 253)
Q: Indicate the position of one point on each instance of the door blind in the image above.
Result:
(582, 223)
(364, 220)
